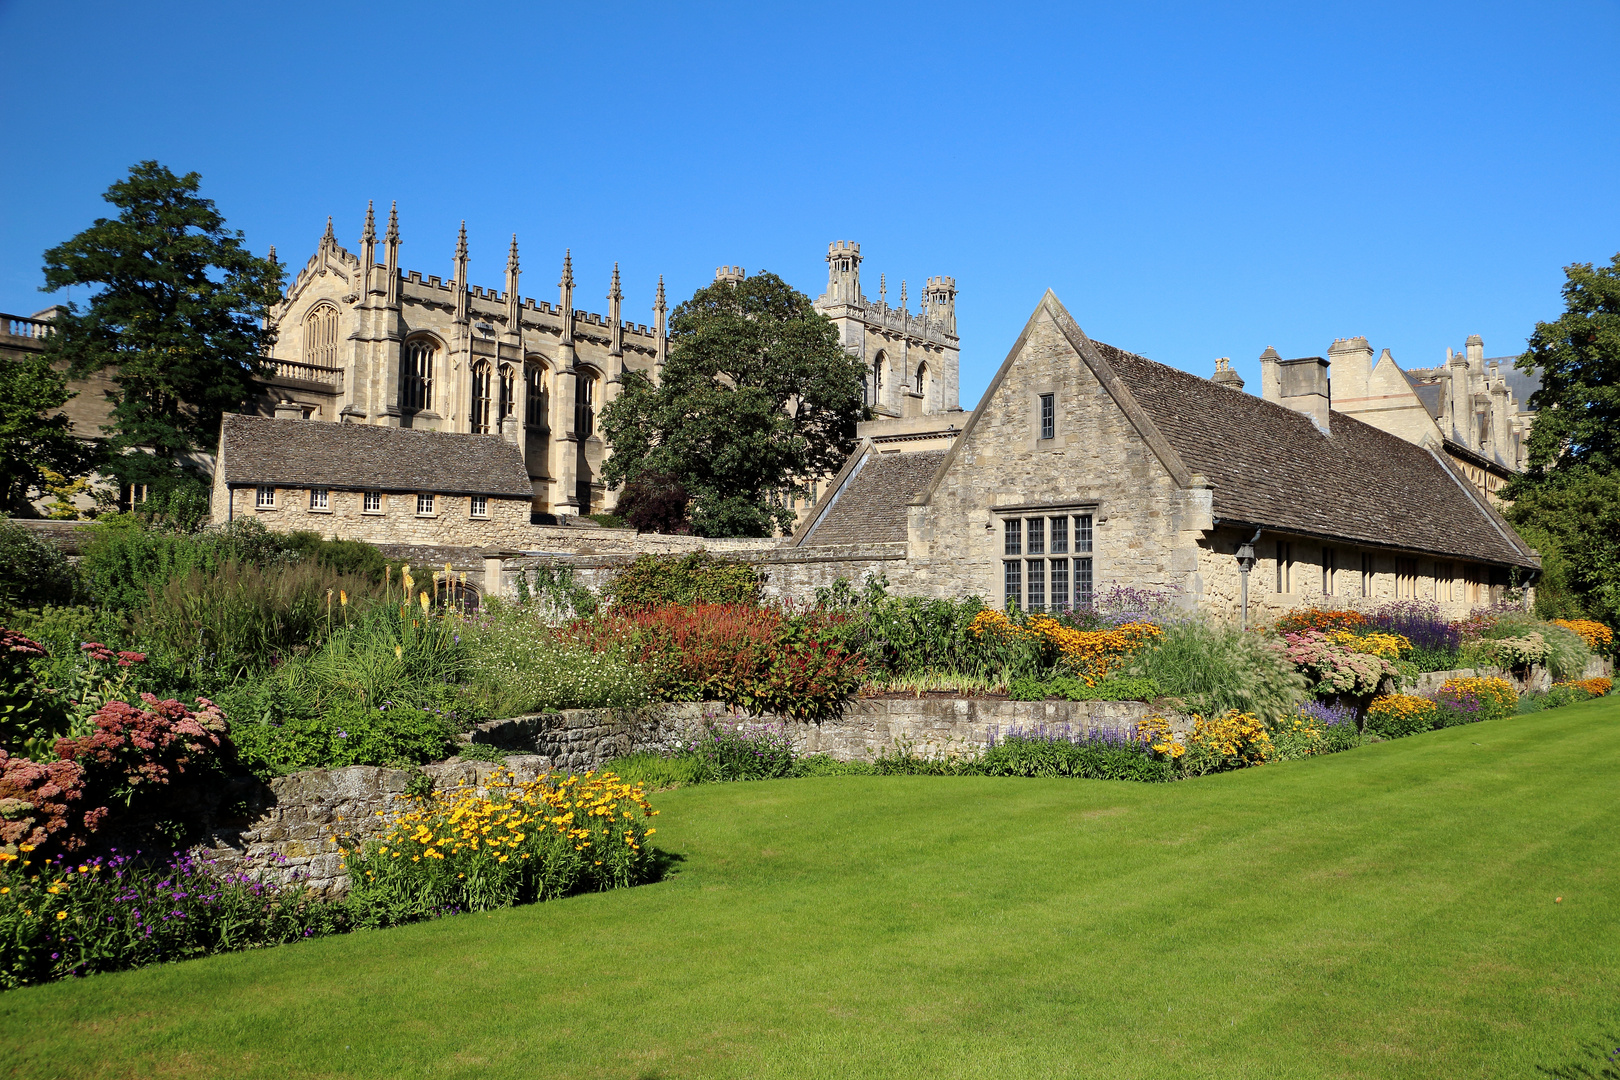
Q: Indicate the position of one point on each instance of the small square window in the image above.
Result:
(480, 506)
(424, 506)
(371, 502)
(319, 499)
(1048, 415)
(266, 498)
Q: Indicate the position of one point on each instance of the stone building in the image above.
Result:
(913, 361)
(1475, 408)
(369, 343)
(1085, 467)
(385, 485)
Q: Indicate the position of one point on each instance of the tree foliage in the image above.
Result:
(1578, 356)
(34, 438)
(1567, 503)
(757, 401)
(177, 314)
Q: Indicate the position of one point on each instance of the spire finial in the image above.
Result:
(392, 235)
(658, 305)
(461, 241)
(568, 268)
(614, 293)
(369, 233)
(272, 253)
(883, 289)
(512, 256)
(902, 294)
(328, 237)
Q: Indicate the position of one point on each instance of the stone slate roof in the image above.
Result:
(314, 453)
(870, 506)
(1272, 467)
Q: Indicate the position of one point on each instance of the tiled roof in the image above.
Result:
(1272, 467)
(313, 453)
(870, 506)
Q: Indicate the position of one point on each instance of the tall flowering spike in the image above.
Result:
(369, 233)
(392, 235)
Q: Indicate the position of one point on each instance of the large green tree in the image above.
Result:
(757, 401)
(177, 312)
(1567, 502)
(34, 438)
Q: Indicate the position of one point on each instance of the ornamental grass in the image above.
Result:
(476, 848)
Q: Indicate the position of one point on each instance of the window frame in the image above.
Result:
(478, 506)
(320, 500)
(1285, 568)
(366, 499)
(264, 497)
(1047, 410)
(1046, 556)
(426, 504)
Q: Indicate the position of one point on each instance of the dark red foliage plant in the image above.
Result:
(761, 659)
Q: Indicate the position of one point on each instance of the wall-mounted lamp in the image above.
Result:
(1246, 560)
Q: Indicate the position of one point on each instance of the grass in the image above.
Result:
(1385, 912)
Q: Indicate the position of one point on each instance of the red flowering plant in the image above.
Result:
(102, 675)
(761, 659)
(148, 762)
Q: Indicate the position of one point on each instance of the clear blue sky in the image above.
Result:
(1192, 181)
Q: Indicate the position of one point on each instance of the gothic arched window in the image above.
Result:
(922, 380)
(321, 336)
(480, 398)
(877, 377)
(416, 380)
(508, 391)
(537, 401)
(584, 404)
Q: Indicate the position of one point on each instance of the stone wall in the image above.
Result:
(294, 826)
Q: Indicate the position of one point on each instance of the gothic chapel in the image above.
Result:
(360, 342)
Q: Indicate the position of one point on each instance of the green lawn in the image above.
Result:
(1386, 912)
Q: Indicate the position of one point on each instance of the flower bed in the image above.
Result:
(471, 849)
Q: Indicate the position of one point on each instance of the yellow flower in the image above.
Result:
(60, 915)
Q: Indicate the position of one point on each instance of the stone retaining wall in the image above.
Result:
(293, 826)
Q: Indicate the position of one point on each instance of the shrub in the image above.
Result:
(907, 635)
(1089, 654)
(749, 657)
(61, 919)
(408, 654)
(1060, 751)
(1230, 741)
(655, 502)
(1420, 622)
(1396, 715)
(731, 750)
(519, 664)
(1517, 640)
(1214, 669)
(1598, 687)
(21, 716)
(472, 849)
(556, 595)
(349, 733)
(1565, 693)
(694, 578)
(1115, 688)
(1333, 668)
(33, 573)
(348, 558)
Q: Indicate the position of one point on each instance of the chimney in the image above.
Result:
(1352, 363)
(1474, 348)
(289, 410)
(1304, 387)
(1225, 375)
(1269, 388)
